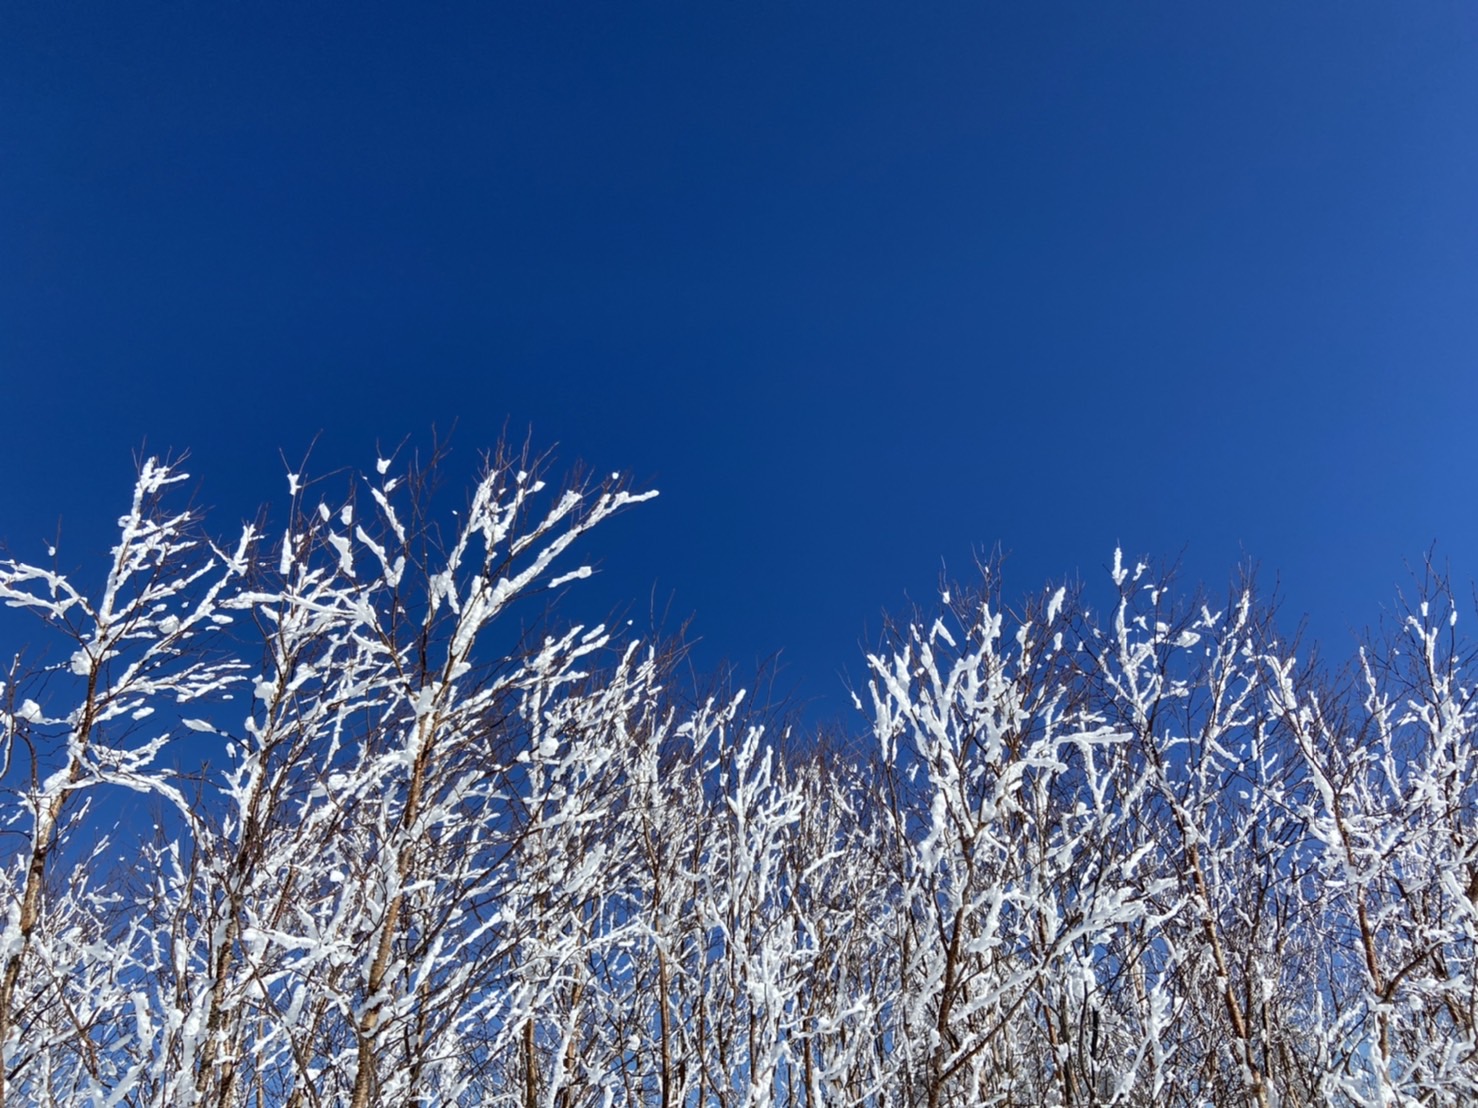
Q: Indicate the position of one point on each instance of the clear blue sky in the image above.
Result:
(862, 288)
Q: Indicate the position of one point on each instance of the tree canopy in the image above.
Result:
(414, 840)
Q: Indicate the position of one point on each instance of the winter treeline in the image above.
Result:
(404, 852)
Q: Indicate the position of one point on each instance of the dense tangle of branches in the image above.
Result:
(404, 852)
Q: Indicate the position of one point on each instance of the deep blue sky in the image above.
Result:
(862, 288)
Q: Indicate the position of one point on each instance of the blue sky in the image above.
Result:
(862, 288)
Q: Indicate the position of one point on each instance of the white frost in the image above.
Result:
(574, 575)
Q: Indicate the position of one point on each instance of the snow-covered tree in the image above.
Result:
(1392, 811)
(339, 812)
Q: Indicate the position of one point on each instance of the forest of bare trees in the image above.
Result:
(337, 813)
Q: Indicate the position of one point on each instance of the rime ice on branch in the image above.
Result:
(410, 852)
